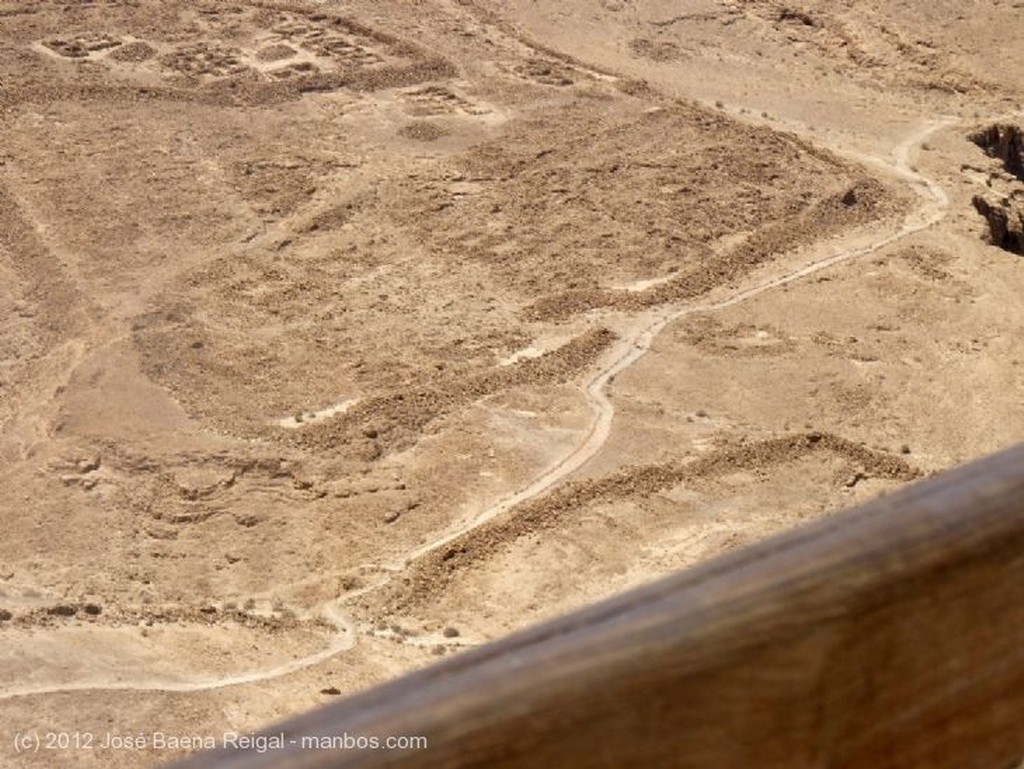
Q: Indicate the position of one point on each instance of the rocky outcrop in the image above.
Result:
(1004, 142)
(1002, 204)
(1005, 216)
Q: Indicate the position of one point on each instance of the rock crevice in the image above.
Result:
(1004, 142)
(1003, 205)
(1005, 216)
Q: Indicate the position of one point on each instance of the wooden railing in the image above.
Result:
(888, 636)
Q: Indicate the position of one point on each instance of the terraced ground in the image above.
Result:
(335, 337)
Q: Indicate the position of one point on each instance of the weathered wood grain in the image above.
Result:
(888, 636)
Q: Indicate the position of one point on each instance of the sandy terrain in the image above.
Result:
(339, 336)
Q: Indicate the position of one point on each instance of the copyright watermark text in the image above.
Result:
(39, 741)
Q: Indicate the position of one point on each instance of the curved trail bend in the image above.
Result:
(343, 640)
(627, 351)
(633, 347)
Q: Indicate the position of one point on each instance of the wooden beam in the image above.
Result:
(891, 636)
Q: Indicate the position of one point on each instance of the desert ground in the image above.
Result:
(337, 337)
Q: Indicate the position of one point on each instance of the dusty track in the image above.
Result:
(342, 641)
(631, 347)
(635, 345)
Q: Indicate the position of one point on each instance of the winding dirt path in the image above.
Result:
(626, 352)
(343, 640)
(634, 346)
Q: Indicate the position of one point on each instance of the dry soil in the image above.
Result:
(337, 336)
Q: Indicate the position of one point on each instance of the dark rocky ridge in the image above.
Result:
(1006, 143)
(1005, 218)
(1004, 212)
